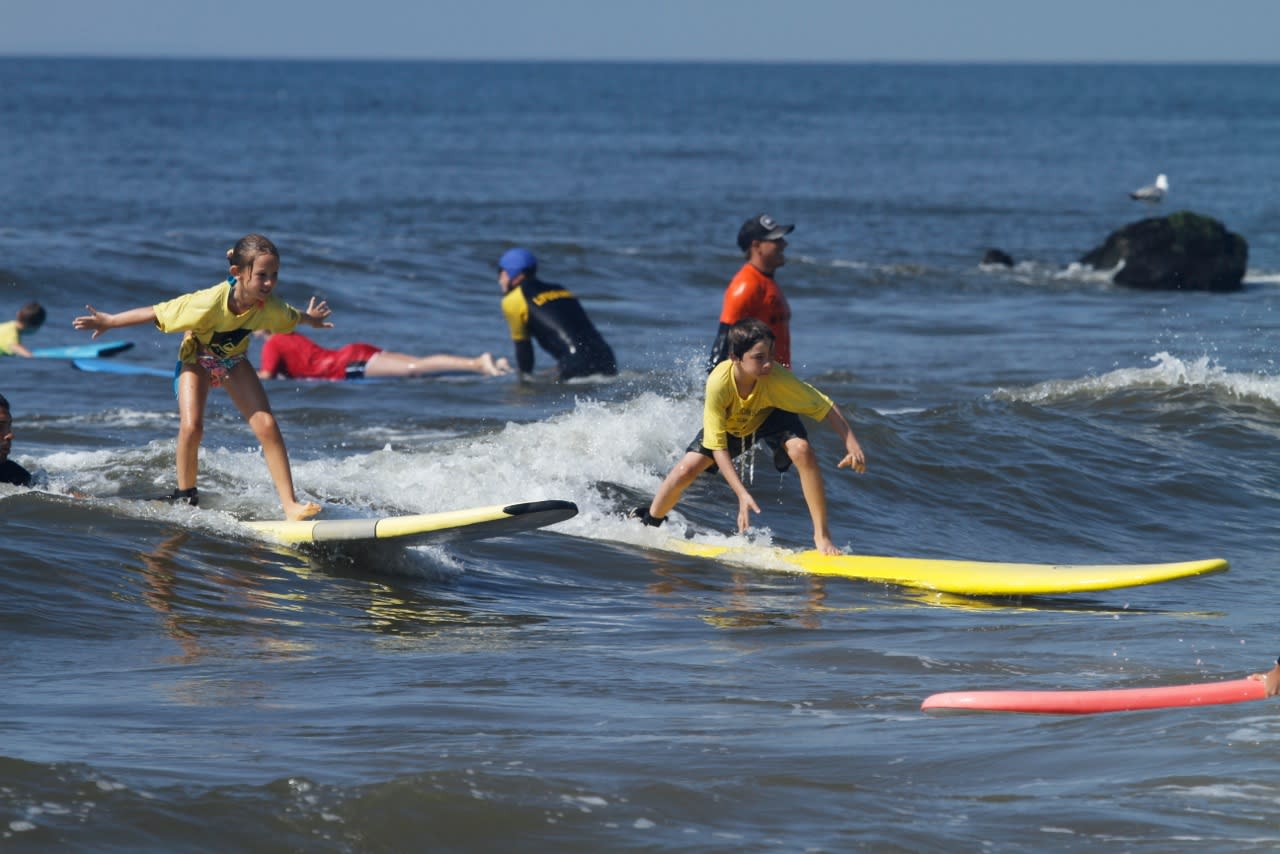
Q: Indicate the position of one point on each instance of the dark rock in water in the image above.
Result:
(1182, 251)
(997, 256)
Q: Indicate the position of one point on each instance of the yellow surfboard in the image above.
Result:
(475, 523)
(966, 577)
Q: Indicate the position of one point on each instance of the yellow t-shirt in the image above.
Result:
(212, 327)
(725, 413)
(9, 336)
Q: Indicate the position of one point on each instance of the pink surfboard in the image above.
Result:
(1092, 702)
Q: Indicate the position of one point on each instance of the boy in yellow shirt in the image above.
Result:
(29, 318)
(751, 398)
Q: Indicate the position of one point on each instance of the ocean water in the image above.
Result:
(170, 683)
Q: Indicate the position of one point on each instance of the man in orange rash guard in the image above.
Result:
(753, 292)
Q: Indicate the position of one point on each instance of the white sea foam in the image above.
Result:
(1077, 272)
(600, 456)
(1037, 273)
(1167, 372)
(841, 263)
(627, 446)
(140, 418)
(631, 445)
(1261, 277)
(1255, 792)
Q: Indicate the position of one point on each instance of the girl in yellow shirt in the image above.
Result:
(218, 323)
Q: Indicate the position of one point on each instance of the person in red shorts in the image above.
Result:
(294, 356)
(753, 291)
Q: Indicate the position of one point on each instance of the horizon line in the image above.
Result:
(560, 60)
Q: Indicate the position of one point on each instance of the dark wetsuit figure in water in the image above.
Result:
(10, 472)
(551, 315)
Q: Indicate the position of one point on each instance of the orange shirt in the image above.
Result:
(753, 294)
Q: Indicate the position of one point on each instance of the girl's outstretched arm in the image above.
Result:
(316, 313)
(101, 321)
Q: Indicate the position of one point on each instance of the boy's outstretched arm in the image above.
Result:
(745, 502)
(101, 321)
(853, 457)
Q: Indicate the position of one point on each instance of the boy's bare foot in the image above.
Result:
(298, 511)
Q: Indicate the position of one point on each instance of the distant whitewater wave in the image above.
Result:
(879, 271)
(1028, 271)
(1167, 372)
(1078, 272)
(1262, 277)
(1037, 272)
(875, 269)
(1031, 271)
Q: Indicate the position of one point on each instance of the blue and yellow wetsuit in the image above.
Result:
(552, 316)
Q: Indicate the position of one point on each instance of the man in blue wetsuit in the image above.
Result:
(551, 315)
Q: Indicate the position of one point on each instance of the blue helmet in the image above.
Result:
(517, 261)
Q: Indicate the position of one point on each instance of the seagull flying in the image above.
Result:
(1153, 193)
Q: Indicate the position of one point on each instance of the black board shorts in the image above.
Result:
(777, 428)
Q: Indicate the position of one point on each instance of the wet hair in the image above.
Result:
(248, 248)
(746, 334)
(31, 315)
(4, 404)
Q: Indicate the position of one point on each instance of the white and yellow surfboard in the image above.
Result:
(474, 523)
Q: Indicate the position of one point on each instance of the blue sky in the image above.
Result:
(806, 30)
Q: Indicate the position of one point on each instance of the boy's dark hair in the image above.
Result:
(746, 334)
(31, 315)
(4, 404)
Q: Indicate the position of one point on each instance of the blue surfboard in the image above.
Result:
(132, 369)
(83, 351)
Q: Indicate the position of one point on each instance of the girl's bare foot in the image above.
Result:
(298, 511)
